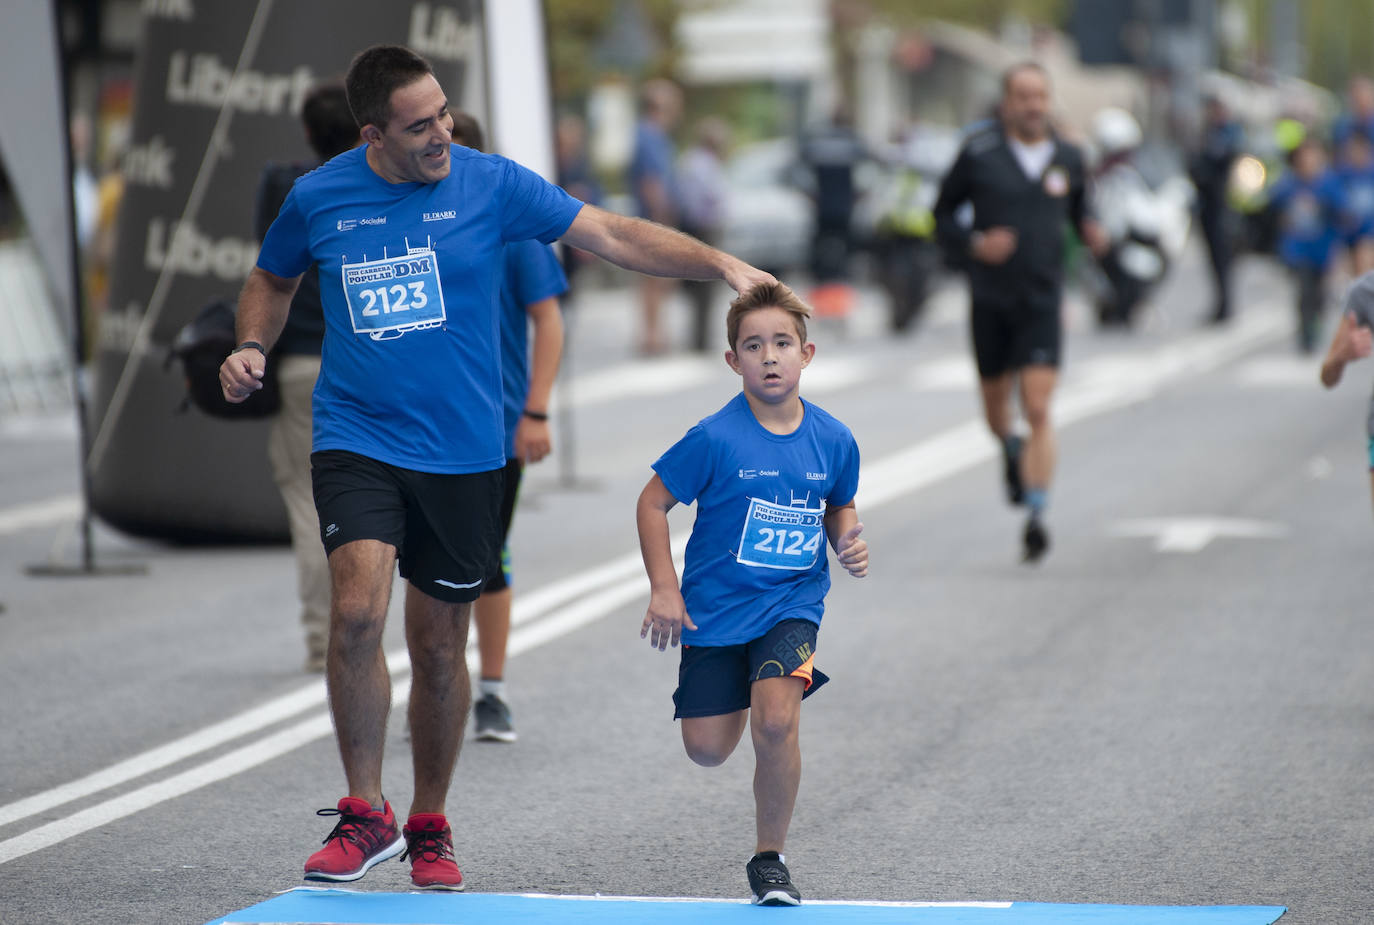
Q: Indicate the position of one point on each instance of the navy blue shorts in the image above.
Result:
(716, 680)
(500, 579)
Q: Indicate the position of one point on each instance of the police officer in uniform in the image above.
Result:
(1023, 184)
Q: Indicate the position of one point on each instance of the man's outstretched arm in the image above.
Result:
(657, 250)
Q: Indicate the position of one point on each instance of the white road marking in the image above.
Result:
(954, 373)
(1105, 385)
(1194, 534)
(40, 513)
(1283, 371)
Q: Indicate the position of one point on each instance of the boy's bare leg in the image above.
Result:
(440, 693)
(709, 740)
(492, 613)
(774, 723)
(359, 686)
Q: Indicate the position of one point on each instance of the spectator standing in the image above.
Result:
(653, 184)
(330, 131)
(703, 191)
(1210, 168)
(531, 283)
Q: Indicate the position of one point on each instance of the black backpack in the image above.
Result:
(201, 346)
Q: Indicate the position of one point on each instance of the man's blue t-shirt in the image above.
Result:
(410, 275)
(757, 553)
(532, 273)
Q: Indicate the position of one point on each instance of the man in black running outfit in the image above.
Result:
(1024, 184)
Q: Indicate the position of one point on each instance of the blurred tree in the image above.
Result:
(586, 39)
(1337, 37)
(987, 14)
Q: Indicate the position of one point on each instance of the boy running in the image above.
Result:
(773, 477)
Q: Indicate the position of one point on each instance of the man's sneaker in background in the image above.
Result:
(429, 845)
(362, 838)
(1036, 541)
(493, 717)
(769, 881)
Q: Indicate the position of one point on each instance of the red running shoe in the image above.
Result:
(429, 845)
(363, 837)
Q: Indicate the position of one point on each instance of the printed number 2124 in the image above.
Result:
(788, 542)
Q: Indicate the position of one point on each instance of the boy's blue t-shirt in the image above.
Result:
(410, 275)
(1308, 218)
(532, 273)
(757, 554)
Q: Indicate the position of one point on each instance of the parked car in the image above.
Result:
(768, 221)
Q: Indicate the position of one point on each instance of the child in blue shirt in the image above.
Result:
(773, 478)
(1308, 203)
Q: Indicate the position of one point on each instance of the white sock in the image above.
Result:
(487, 686)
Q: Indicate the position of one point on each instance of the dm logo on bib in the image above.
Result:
(393, 295)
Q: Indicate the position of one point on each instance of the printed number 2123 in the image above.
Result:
(397, 298)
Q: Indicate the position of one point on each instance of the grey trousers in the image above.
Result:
(288, 450)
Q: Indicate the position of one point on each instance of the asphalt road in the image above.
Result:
(1174, 708)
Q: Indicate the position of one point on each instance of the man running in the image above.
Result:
(1023, 183)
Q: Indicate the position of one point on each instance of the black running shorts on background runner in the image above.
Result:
(500, 579)
(715, 680)
(446, 528)
(1009, 337)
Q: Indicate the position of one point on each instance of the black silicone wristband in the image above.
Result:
(249, 343)
(535, 415)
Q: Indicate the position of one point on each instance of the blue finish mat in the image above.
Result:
(311, 906)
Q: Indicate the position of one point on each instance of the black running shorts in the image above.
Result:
(446, 529)
(500, 579)
(1008, 338)
(716, 680)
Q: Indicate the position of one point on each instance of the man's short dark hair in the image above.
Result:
(467, 131)
(1028, 65)
(329, 125)
(375, 74)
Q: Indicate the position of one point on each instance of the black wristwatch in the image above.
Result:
(249, 343)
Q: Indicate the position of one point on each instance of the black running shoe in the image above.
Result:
(1036, 541)
(494, 722)
(1011, 454)
(769, 881)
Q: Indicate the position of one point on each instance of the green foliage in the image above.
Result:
(987, 14)
(577, 28)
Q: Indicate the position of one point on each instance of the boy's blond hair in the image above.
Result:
(766, 295)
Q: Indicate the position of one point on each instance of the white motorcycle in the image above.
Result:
(1147, 226)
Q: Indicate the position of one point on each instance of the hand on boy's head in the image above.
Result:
(742, 277)
(853, 552)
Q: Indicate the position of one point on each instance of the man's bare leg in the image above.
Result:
(1037, 462)
(440, 694)
(359, 686)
